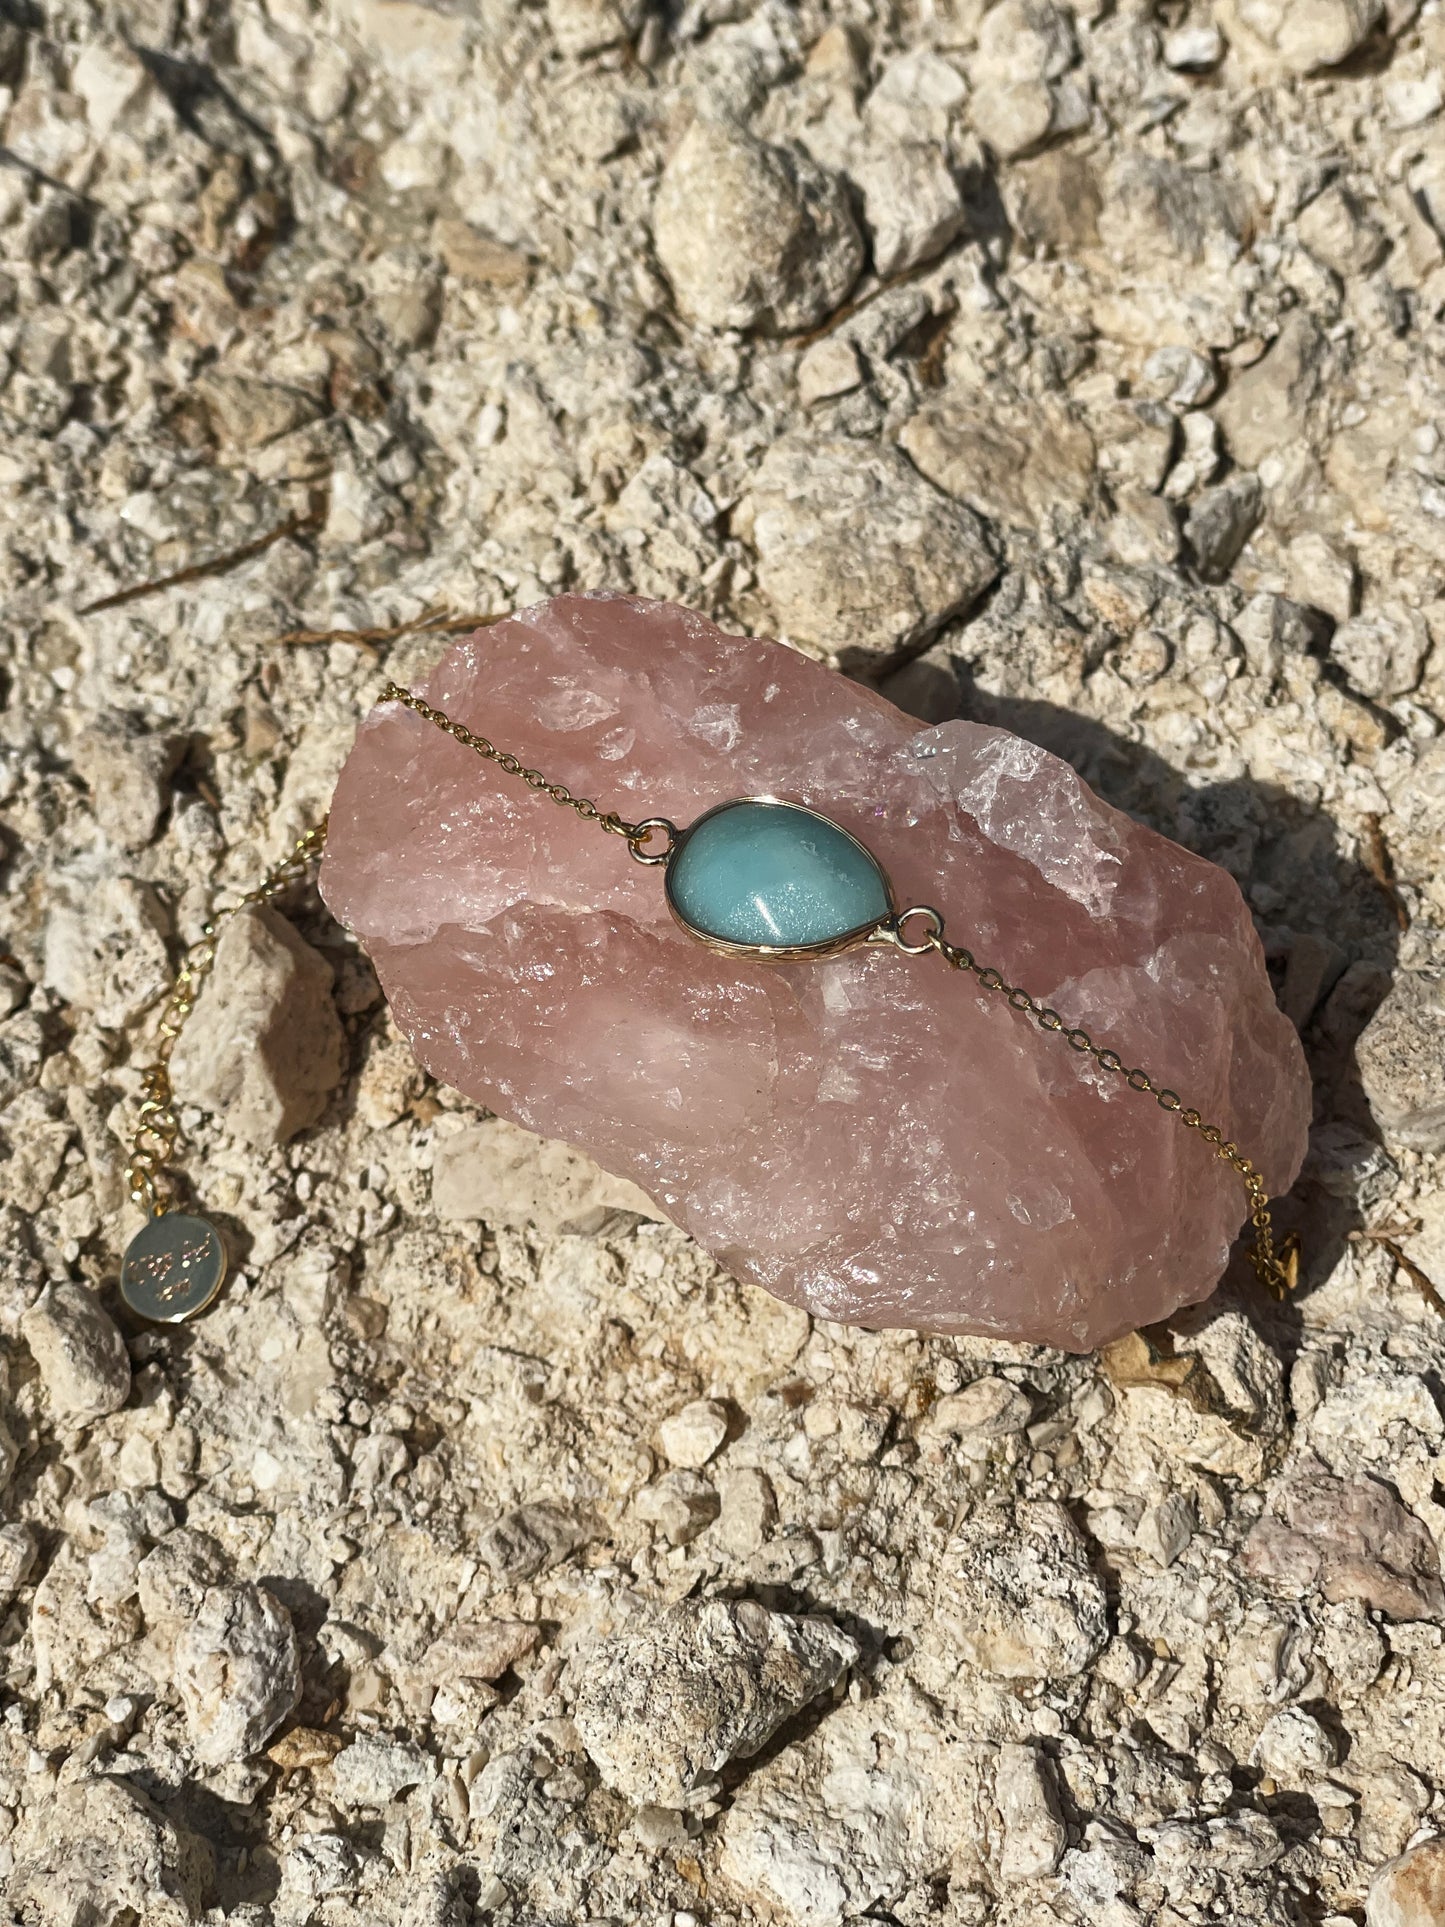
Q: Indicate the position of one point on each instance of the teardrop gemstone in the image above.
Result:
(774, 877)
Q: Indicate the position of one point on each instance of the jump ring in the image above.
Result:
(640, 833)
(930, 941)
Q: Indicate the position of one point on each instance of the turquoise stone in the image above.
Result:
(774, 875)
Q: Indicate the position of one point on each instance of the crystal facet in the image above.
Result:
(876, 1138)
(771, 874)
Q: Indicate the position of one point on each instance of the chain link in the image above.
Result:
(157, 1128)
(1275, 1265)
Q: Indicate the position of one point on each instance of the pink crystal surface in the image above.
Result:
(875, 1137)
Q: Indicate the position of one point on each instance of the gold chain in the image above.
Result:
(609, 820)
(1276, 1268)
(154, 1142)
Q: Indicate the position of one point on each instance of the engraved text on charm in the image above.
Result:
(773, 880)
(173, 1267)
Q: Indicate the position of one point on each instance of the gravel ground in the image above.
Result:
(486, 1554)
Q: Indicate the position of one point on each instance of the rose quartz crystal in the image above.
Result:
(875, 1138)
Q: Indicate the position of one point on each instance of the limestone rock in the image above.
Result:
(126, 766)
(238, 1672)
(1180, 376)
(749, 1510)
(1193, 49)
(82, 1357)
(1384, 652)
(917, 96)
(926, 557)
(1025, 47)
(830, 367)
(1012, 460)
(1409, 1891)
(105, 949)
(859, 1815)
(690, 1437)
(1293, 1746)
(911, 204)
(785, 1067)
(1167, 1528)
(1241, 1841)
(1054, 200)
(174, 1577)
(752, 235)
(1336, 230)
(473, 257)
(318, 1866)
(666, 1703)
(22, 1053)
(479, 1649)
(264, 1048)
(98, 1851)
(1310, 35)
(529, 1540)
(248, 412)
(587, 26)
(1018, 1594)
(1154, 209)
(17, 1556)
(496, 1172)
(680, 1505)
(1263, 409)
(1230, 1420)
(1401, 1055)
(108, 79)
(373, 1770)
(1220, 522)
(1354, 1540)
(1143, 532)
(988, 1408)
(1034, 1836)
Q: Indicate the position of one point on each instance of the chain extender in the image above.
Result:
(154, 1142)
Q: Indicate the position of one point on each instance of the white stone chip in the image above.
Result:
(911, 204)
(926, 557)
(989, 1408)
(690, 1437)
(830, 367)
(373, 1770)
(1401, 1055)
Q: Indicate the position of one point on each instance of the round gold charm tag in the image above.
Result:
(173, 1267)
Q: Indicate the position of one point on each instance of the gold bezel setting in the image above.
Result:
(880, 929)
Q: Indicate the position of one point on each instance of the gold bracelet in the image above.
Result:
(175, 1265)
